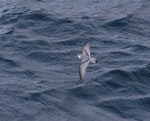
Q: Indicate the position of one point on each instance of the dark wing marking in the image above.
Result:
(82, 68)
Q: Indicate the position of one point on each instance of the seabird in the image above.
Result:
(85, 59)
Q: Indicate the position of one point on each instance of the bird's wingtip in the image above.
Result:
(86, 42)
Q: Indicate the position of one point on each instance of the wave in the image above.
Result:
(128, 24)
(8, 63)
(138, 48)
(123, 106)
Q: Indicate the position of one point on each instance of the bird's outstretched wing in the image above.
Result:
(82, 68)
(86, 48)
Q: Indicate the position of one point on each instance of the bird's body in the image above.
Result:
(85, 59)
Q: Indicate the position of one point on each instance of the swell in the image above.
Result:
(138, 48)
(125, 82)
(128, 24)
(127, 107)
(119, 23)
(7, 63)
(127, 92)
(143, 74)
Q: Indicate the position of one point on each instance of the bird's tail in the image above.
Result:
(93, 60)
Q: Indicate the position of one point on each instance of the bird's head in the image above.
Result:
(79, 56)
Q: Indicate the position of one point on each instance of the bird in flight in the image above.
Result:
(85, 59)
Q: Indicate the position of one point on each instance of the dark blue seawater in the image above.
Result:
(39, 41)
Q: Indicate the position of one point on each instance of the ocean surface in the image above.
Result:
(39, 78)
